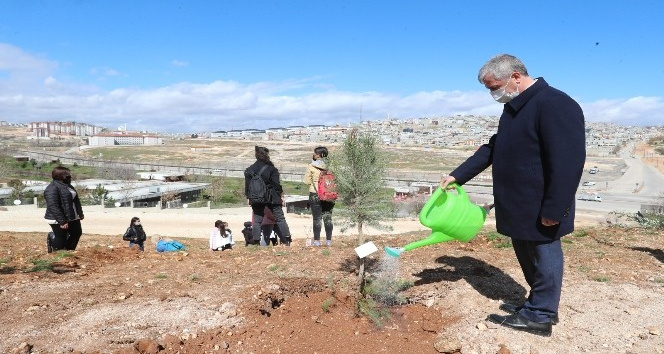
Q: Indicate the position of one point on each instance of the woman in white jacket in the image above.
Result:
(221, 238)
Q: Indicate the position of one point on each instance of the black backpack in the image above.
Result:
(258, 193)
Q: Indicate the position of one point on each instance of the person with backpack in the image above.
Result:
(321, 208)
(135, 234)
(63, 212)
(263, 189)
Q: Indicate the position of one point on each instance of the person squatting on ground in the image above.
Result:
(221, 237)
(63, 211)
(135, 234)
(248, 234)
(537, 159)
(321, 210)
(275, 196)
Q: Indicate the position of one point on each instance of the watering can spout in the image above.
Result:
(394, 251)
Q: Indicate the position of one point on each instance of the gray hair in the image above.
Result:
(501, 67)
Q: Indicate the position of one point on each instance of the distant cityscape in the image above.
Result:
(456, 131)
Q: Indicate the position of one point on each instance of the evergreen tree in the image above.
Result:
(359, 167)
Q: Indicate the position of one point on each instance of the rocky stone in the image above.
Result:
(23, 348)
(147, 346)
(171, 341)
(228, 309)
(503, 350)
(447, 345)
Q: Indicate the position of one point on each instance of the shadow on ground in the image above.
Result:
(488, 280)
(657, 253)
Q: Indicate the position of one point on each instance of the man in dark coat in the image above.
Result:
(537, 156)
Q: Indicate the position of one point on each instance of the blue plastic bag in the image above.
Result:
(169, 246)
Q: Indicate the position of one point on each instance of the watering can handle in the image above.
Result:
(460, 191)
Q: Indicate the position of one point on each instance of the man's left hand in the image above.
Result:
(549, 222)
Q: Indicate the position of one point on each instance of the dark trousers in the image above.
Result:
(281, 229)
(321, 211)
(140, 245)
(66, 239)
(542, 266)
(267, 229)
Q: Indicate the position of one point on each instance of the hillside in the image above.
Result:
(105, 298)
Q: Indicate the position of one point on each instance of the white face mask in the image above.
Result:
(502, 96)
(137, 223)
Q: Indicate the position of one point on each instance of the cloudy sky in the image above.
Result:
(196, 66)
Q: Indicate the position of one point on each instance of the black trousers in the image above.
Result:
(321, 211)
(65, 239)
(282, 230)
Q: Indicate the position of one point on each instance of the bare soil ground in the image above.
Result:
(106, 298)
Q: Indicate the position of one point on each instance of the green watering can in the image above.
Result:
(450, 216)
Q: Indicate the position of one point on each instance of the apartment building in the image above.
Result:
(48, 129)
(112, 139)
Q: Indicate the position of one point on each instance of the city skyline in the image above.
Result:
(208, 66)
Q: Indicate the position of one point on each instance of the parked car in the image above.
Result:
(593, 170)
(590, 197)
(588, 183)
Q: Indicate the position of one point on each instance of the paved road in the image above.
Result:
(640, 184)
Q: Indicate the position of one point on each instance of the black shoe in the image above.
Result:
(511, 308)
(520, 323)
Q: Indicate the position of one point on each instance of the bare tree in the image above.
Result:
(169, 197)
(124, 173)
(216, 189)
(18, 188)
(121, 172)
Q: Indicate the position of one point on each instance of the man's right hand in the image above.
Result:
(446, 181)
(64, 226)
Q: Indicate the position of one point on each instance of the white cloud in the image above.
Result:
(179, 63)
(104, 72)
(30, 90)
(50, 81)
(631, 111)
(21, 71)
